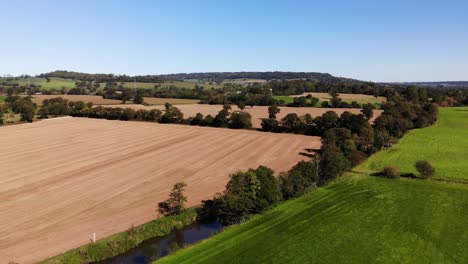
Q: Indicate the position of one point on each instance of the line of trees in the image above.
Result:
(23, 106)
(346, 141)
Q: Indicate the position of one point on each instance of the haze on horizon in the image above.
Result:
(382, 41)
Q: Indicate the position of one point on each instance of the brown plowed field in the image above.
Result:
(257, 112)
(95, 99)
(63, 179)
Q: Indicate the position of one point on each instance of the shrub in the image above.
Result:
(391, 172)
(425, 169)
(240, 120)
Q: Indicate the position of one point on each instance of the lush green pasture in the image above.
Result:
(444, 145)
(358, 219)
(53, 84)
(325, 97)
(290, 99)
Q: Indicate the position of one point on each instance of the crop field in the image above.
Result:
(358, 219)
(257, 112)
(444, 145)
(96, 100)
(63, 179)
(174, 101)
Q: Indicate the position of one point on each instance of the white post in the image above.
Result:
(94, 237)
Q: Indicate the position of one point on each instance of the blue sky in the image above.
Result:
(369, 40)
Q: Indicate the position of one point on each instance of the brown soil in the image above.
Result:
(63, 179)
(97, 100)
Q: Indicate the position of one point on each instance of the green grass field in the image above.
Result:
(58, 83)
(325, 97)
(54, 84)
(2, 99)
(444, 145)
(290, 99)
(358, 219)
(361, 218)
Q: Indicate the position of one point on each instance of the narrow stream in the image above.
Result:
(158, 247)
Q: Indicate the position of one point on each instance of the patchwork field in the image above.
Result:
(444, 145)
(63, 179)
(257, 112)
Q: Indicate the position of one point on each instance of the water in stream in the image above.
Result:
(159, 247)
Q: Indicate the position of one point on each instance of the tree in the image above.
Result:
(335, 101)
(240, 120)
(138, 99)
(332, 163)
(176, 201)
(272, 111)
(291, 122)
(425, 169)
(269, 124)
(222, 118)
(241, 105)
(341, 138)
(326, 121)
(197, 120)
(127, 114)
(172, 115)
(300, 179)
(368, 110)
(268, 193)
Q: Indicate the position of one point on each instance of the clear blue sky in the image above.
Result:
(371, 40)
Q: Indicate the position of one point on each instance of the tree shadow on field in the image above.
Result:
(403, 175)
(309, 152)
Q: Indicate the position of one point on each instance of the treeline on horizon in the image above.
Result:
(253, 94)
(217, 77)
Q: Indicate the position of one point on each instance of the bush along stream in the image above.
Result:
(120, 243)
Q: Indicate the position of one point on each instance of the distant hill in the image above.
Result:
(217, 77)
(445, 84)
(268, 76)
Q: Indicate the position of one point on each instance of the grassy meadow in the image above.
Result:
(361, 218)
(53, 84)
(58, 83)
(325, 97)
(444, 145)
(358, 219)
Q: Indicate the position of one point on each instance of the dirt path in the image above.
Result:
(65, 178)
